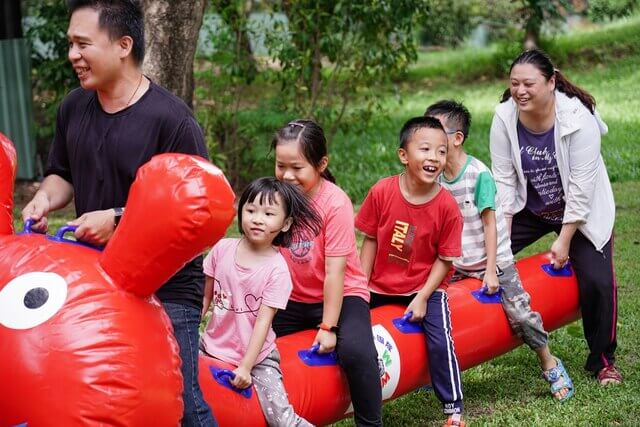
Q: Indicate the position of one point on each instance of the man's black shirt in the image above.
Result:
(99, 154)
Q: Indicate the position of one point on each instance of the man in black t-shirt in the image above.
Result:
(105, 130)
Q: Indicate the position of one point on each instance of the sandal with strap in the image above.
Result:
(559, 379)
(456, 422)
(609, 375)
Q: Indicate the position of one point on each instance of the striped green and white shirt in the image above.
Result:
(475, 190)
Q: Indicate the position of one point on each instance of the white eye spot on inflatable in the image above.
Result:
(31, 299)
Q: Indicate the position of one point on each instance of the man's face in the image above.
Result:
(95, 58)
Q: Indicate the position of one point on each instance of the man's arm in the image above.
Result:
(54, 193)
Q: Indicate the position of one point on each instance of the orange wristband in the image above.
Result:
(328, 328)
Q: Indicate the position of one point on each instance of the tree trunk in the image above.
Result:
(171, 31)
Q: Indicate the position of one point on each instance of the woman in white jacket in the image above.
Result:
(545, 154)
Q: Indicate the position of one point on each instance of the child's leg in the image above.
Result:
(526, 323)
(297, 317)
(267, 380)
(443, 363)
(359, 360)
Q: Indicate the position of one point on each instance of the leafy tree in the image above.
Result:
(52, 77)
(603, 10)
(450, 22)
(332, 52)
(533, 13)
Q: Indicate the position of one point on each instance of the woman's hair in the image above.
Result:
(542, 62)
(305, 219)
(310, 136)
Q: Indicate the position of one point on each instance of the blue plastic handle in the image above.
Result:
(59, 237)
(224, 377)
(311, 357)
(561, 272)
(404, 325)
(27, 227)
(483, 297)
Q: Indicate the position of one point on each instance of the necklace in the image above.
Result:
(135, 91)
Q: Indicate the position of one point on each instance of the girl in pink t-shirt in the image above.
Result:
(329, 288)
(248, 281)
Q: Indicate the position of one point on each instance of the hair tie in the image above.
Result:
(555, 70)
(293, 124)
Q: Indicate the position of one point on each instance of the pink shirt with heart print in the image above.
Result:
(238, 293)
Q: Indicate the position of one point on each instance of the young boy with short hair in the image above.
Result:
(412, 231)
(486, 253)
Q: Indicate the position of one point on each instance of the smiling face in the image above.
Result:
(96, 59)
(294, 168)
(425, 155)
(530, 89)
(263, 220)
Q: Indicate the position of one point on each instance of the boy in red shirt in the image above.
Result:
(413, 231)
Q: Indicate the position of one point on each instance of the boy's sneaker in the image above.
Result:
(609, 375)
(454, 420)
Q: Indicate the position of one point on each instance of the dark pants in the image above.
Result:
(443, 363)
(596, 282)
(356, 351)
(185, 320)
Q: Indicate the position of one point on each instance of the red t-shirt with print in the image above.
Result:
(410, 237)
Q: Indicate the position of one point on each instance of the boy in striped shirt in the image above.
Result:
(486, 245)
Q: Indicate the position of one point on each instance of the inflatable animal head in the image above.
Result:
(82, 339)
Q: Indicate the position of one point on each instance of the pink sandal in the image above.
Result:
(609, 375)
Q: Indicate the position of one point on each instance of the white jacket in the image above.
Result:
(587, 190)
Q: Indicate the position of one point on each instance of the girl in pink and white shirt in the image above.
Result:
(248, 281)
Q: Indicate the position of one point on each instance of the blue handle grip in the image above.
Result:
(27, 227)
(561, 272)
(224, 377)
(404, 325)
(311, 357)
(483, 297)
(59, 237)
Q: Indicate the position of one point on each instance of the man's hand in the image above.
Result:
(37, 210)
(95, 227)
(491, 282)
(327, 341)
(243, 377)
(419, 308)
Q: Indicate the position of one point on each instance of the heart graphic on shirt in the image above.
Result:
(253, 304)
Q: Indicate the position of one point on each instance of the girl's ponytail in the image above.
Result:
(326, 174)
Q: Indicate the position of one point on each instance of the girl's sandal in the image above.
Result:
(609, 375)
(457, 422)
(559, 379)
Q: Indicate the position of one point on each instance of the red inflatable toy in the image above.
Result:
(82, 339)
(8, 168)
(318, 389)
